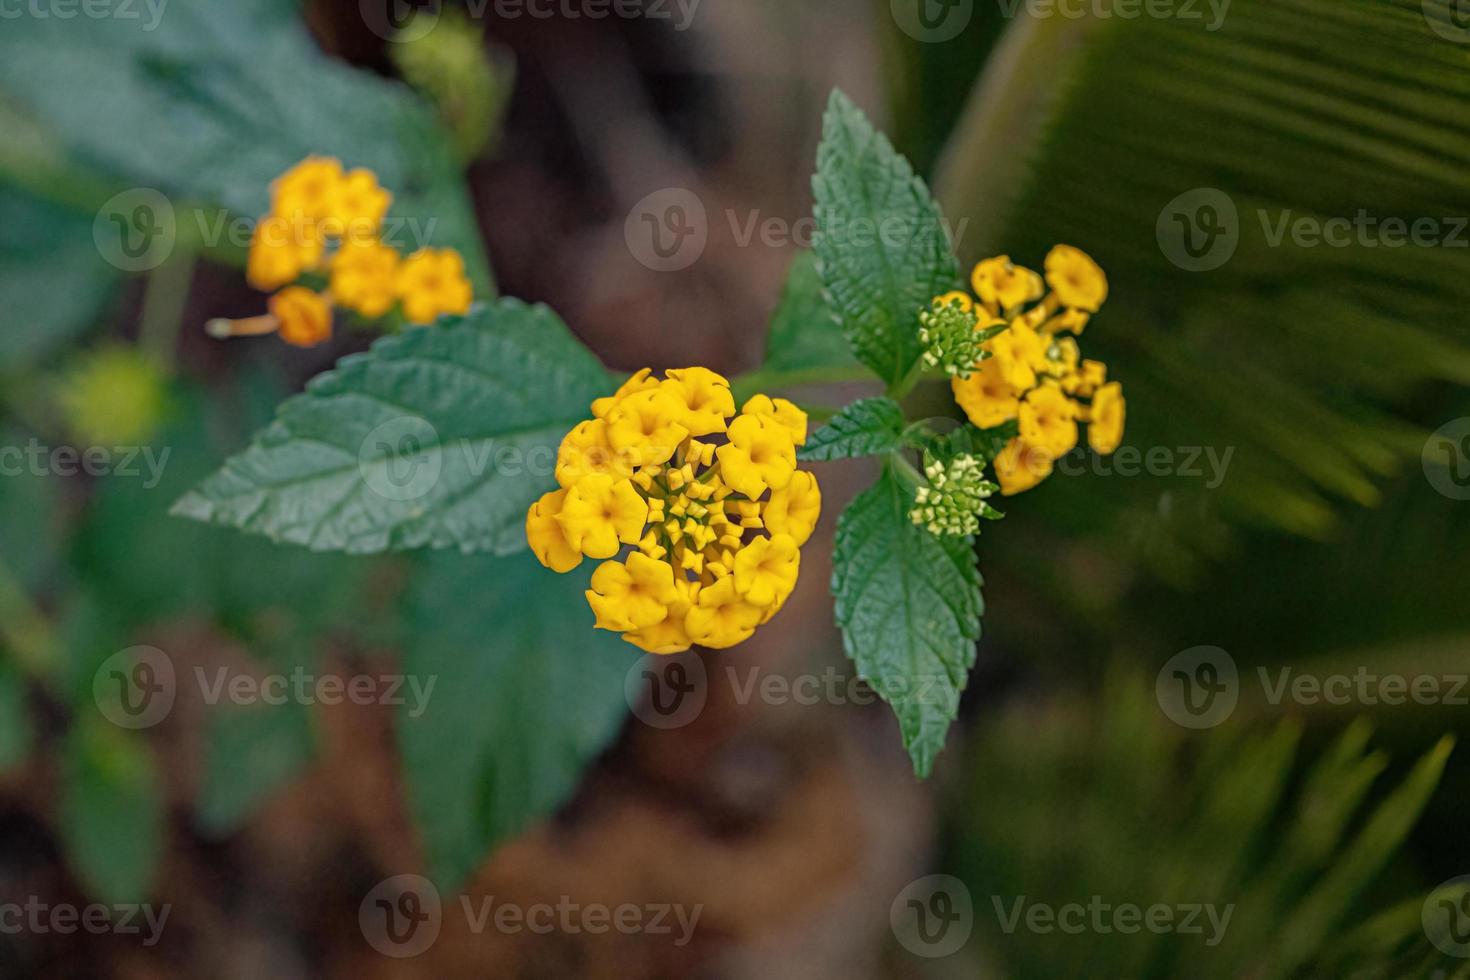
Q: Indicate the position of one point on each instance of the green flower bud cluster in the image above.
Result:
(951, 341)
(955, 499)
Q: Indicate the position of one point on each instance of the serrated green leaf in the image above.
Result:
(217, 98)
(881, 246)
(867, 427)
(526, 694)
(909, 606)
(111, 818)
(440, 437)
(252, 753)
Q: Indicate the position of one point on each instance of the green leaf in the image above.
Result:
(53, 281)
(526, 694)
(111, 819)
(805, 336)
(909, 606)
(867, 427)
(15, 719)
(217, 98)
(441, 437)
(881, 246)
(252, 753)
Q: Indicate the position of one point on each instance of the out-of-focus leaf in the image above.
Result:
(1299, 356)
(882, 250)
(909, 606)
(53, 280)
(111, 816)
(526, 693)
(211, 100)
(15, 719)
(867, 427)
(439, 437)
(1151, 824)
(251, 754)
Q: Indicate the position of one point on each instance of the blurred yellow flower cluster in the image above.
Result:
(712, 508)
(1030, 371)
(321, 248)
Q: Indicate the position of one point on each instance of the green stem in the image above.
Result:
(163, 306)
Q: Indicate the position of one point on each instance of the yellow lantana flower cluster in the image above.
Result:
(709, 504)
(1031, 371)
(321, 248)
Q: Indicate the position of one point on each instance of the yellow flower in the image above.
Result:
(1105, 428)
(431, 282)
(648, 426)
(780, 411)
(586, 450)
(280, 251)
(794, 509)
(722, 618)
(547, 540)
(358, 207)
(363, 274)
(1003, 286)
(956, 296)
(668, 636)
(697, 517)
(1020, 352)
(640, 381)
(1049, 420)
(1077, 280)
(760, 454)
(305, 317)
(634, 595)
(1019, 467)
(308, 191)
(706, 396)
(766, 570)
(986, 396)
(599, 512)
(1090, 377)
